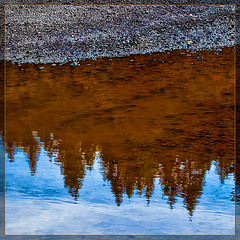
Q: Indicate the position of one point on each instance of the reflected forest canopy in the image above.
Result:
(142, 116)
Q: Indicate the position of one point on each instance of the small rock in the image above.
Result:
(53, 64)
(41, 68)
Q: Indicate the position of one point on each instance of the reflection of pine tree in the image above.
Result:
(72, 168)
(170, 181)
(73, 161)
(114, 176)
(89, 155)
(10, 150)
(30, 146)
(138, 174)
(33, 157)
(224, 168)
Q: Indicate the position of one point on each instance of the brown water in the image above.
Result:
(160, 116)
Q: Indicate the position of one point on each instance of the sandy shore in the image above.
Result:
(62, 33)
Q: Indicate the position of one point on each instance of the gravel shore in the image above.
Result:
(63, 33)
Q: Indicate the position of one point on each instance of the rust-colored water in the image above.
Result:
(165, 116)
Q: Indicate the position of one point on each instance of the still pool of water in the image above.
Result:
(136, 145)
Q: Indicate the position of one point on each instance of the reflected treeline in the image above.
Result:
(146, 120)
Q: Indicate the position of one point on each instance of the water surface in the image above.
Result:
(136, 145)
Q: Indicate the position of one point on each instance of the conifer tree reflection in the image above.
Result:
(30, 145)
(75, 159)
